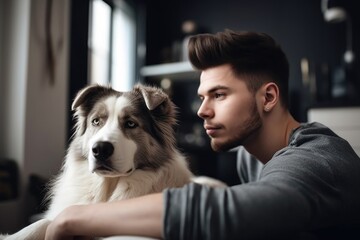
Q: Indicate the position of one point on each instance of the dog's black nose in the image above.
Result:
(102, 150)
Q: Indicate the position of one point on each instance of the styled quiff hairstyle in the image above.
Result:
(254, 56)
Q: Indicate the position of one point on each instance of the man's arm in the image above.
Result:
(141, 216)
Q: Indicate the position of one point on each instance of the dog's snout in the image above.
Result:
(102, 150)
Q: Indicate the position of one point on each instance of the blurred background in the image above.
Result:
(50, 49)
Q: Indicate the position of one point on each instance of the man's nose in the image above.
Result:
(205, 111)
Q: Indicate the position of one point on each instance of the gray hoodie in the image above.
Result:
(308, 190)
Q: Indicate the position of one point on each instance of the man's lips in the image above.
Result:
(211, 129)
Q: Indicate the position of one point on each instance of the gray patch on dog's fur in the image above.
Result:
(85, 101)
(157, 123)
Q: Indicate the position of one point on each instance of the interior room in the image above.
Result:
(49, 50)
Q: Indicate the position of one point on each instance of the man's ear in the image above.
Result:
(271, 96)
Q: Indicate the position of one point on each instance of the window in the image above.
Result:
(112, 44)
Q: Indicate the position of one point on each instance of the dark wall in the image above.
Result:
(297, 25)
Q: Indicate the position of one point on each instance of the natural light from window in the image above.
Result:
(123, 54)
(100, 42)
(112, 45)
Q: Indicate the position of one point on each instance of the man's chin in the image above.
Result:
(222, 147)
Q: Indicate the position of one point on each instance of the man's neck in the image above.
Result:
(273, 136)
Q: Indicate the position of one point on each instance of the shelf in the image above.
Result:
(181, 71)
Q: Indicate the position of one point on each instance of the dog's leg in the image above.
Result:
(35, 231)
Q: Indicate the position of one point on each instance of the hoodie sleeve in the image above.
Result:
(239, 212)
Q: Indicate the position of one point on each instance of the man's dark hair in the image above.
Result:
(254, 55)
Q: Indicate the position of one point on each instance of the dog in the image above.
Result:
(123, 147)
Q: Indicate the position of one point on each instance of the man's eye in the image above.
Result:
(95, 122)
(218, 95)
(130, 124)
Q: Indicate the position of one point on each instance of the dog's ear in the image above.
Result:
(153, 96)
(87, 94)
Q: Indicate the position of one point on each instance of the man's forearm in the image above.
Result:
(140, 216)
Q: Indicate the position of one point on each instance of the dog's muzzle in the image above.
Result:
(102, 150)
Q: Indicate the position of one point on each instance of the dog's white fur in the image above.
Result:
(104, 115)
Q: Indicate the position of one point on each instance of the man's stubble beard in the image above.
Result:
(248, 130)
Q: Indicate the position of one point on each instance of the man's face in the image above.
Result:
(228, 108)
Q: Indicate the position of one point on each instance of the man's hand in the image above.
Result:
(61, 227)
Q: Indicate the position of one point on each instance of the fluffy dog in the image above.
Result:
(123, 147)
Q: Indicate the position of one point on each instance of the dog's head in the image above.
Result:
(124, 131)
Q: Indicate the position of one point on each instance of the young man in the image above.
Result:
(308, 187)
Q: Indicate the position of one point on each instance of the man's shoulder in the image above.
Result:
(313, 129)
(314, 149)
(316, 136)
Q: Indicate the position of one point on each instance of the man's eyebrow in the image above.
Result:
(215, 88)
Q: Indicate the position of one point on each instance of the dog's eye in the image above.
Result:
(95, 122)
(130, 124)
